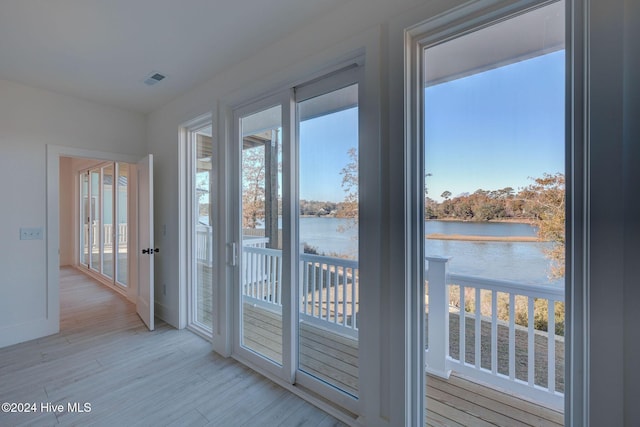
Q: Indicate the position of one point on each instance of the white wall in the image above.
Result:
(29, 120)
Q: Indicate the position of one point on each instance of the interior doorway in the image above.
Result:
(97, 220)
(62, 238)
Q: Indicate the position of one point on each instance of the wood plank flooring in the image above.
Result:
(104, 356)
(326, 355)
(453, 402)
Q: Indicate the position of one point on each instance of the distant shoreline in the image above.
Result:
(502, 220)
(477, 238)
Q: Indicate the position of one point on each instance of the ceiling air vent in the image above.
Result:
(154, 78)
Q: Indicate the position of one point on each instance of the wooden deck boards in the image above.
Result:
(453, 402)
(326, 355)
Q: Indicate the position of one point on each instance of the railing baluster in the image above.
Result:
(463, 325)
(254, 276)
(354, 289)
(278, 262)
(478, 330)
(335, 296)
(313, 293)
(531, 344)
(306, 288)
(258, 273)
(269, 279)
(512, 336)
(247, 263)
(327, 284)
(494, 332)
(551, 346)
(331, 278)
(344, 296)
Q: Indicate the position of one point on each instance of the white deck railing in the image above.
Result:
(328, 289)
(329, 292)
(438, 358)
(329, 299)
(204, 245)
(262, 275)
(107, 236)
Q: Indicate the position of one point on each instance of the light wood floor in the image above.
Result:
(104, 356)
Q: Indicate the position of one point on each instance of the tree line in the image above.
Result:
(531, 203)
(542, 203)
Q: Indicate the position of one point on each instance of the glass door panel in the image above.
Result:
(203, 231)
(107, 227)
(122, 265)
(95, 221)
(85, 234)
(494, 198)
(260, 249)
(328, 238)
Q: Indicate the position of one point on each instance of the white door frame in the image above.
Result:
(283, 370)
(52, 230)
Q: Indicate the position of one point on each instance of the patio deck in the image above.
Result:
(453, 402)
(457, 401)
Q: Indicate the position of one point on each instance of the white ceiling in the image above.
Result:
(102, 50)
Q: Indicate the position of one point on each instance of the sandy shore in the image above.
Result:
(475, 238)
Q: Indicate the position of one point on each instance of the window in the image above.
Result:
(296, 228)
(201, 236)
(491, 141)
(328, 200)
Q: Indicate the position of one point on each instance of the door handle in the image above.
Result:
(150, 251)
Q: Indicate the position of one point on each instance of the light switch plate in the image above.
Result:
(34, 233)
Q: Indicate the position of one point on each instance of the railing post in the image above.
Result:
(438, 325)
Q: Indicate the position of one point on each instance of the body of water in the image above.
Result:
(523, 262)
(330, 235)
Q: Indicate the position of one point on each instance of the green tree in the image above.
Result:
(349, 207)
(253, 186)
(545, 199)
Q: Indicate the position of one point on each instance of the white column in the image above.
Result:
(438, 328)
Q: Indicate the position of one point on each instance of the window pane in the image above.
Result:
(494, 145)
(107, 218)
(95, 220)
(328, 230)
(261, 248)
(122, 231)
(84, 218)
(202, 278)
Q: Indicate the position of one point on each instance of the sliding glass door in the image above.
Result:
(259, 234)
(103, 227)
(202, 206)
(296, 234)
(327, 219)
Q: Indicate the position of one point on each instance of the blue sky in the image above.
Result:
(496, 129)
(324, 143)
(487, 131)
